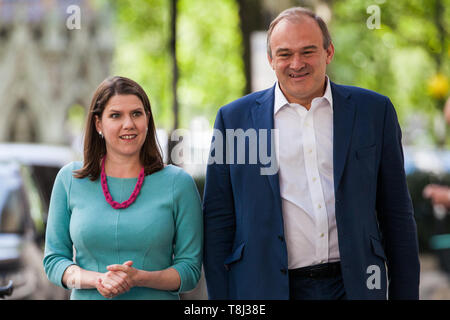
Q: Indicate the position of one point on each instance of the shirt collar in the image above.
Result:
(280, 99)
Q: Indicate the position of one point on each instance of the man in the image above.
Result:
(336, 220)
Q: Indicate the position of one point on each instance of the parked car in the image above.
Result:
(42, 163)
(27, 173)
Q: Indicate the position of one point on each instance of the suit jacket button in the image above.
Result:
(281, 238)
(283, 271)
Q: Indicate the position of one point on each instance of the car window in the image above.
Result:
(13, 213)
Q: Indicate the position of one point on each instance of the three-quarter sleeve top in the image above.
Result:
(161, 229)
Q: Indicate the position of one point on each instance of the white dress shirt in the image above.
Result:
(305, 158)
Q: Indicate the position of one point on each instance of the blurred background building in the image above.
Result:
(46, 69)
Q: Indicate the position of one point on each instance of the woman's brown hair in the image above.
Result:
(94, 145)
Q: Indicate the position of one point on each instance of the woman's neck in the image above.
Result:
(122, 167)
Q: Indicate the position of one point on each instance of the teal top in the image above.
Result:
(161, 229)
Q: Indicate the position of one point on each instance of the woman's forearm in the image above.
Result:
(77, 278)
(167, 279)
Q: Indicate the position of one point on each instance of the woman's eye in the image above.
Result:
(137, 113)
(114, 115)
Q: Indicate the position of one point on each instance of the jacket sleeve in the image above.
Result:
(218, 215)
(396, 215)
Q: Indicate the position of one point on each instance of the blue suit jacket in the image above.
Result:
(245, 255)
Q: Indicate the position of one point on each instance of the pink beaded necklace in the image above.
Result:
(108, 196)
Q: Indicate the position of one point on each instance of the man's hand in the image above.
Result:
(439, 195)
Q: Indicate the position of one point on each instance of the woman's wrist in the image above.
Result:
(77, 278)
(141, 278)
(167, 279)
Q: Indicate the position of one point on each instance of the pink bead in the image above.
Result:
(133, 196)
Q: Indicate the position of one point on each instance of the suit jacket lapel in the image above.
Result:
(343, 120)
(262, 115)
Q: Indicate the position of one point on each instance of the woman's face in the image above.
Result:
(124, 125)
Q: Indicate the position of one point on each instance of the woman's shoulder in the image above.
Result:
(175, 176)
(67, 170)
(175, 172)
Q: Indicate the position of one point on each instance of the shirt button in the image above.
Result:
(314, 179)
(310, 150)
(319, 206)
(322, 234)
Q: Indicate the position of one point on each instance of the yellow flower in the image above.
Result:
(438, 86)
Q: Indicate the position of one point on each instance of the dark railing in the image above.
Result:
(6, 290)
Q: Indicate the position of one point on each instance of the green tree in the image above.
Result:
(406, 58)
(208, 52)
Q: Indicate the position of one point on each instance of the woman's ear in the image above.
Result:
(98, 124)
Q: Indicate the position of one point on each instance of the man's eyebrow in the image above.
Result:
(310, 47)
(281, 50)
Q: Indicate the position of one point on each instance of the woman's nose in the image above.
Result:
(128, 122)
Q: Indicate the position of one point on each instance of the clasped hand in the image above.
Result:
(119, 279)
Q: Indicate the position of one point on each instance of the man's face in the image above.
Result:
(299, 59)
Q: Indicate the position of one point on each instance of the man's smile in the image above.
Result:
(298, 75)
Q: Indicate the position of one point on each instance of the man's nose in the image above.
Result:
(296, 62)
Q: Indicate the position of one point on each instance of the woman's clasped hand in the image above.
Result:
(118, 280)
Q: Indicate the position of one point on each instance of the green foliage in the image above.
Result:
(399, 58)
(142, 34)
(76, 117)
(209, 56)
(208, 53)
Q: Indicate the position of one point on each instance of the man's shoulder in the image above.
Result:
(360, 93)
(243, 103)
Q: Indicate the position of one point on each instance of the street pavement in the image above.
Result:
(434, 282)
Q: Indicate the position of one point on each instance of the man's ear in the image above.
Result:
(330, 53)
(270, 61)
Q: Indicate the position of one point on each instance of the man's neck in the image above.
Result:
(306, 102)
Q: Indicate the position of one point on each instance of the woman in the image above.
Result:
(133, 225)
